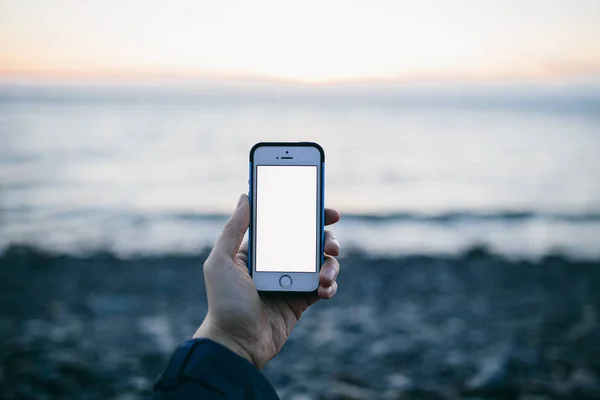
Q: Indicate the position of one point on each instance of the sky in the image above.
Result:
(304, 41)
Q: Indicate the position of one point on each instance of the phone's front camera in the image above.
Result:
(287, 152)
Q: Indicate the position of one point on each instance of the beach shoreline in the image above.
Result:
(474, 325)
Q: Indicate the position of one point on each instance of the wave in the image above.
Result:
(444, 217)
(376, 217)
(525, 233)
(454, 216)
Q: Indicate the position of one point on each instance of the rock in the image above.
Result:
(127, 396)
(140, 383)
(349, 391)
(34, 328)
(298, 396)
(583, 383)
(529, 396)
(348, 377)
(159, 329)
(425, 393)
(348, 386)
(490, 376)
(105, 326)
(400, 382)
(477, 251)
(587, 326)
(492, 379)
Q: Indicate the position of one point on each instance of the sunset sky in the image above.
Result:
(314, 41)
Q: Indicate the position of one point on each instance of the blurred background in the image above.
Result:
(461, 139)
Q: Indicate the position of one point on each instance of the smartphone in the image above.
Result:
(285, 242)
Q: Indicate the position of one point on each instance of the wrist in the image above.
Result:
(209, 331)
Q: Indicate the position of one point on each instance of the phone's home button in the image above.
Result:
(285, 281)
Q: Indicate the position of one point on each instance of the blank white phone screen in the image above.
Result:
(286, 218)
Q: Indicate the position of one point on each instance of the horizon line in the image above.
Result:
(193, 77)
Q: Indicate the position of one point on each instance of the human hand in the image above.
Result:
(253, 325)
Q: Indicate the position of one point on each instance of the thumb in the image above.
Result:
(230, 240)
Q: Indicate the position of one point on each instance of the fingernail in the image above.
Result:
(240, 201)
(330, 273)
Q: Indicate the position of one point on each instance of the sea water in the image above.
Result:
(153, 172)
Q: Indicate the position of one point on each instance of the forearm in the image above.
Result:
(202, 368)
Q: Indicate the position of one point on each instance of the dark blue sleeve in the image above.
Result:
(203, 369)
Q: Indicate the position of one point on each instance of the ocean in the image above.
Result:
(136, 171)
(470, 235)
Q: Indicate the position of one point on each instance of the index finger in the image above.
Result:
(331, 216)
